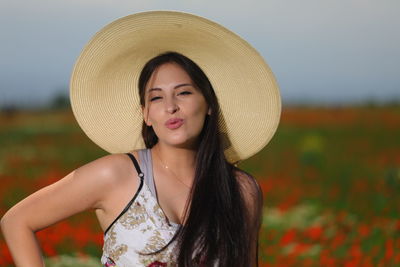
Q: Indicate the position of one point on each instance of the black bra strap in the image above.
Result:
(139, 171)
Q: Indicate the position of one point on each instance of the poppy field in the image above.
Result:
(330, 179)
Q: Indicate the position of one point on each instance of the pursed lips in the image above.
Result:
(174, 123)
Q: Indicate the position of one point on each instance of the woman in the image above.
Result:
(178, 200)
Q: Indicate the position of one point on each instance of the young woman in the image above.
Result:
(177, 201)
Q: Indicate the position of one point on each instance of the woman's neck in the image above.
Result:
(181, 161)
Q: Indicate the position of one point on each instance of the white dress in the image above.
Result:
(142, 227)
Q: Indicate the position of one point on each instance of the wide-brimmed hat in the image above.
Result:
(104, 91)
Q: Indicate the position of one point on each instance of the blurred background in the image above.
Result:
(331, 174)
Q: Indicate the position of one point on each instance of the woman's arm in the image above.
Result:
(80, 190)
(253, 198)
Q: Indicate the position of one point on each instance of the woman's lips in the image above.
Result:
(174, 123)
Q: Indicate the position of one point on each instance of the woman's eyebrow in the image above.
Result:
(176, 87)
(183, 84)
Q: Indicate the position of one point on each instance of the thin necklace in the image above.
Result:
(166, 167)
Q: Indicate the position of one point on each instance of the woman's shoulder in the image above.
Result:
(249, 186)
(110, 167)
(245, 179)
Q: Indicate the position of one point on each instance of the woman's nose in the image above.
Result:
(171, 106)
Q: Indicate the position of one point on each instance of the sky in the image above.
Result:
(321, 51)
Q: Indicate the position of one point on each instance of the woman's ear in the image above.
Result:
(145, 116)
(209, 111)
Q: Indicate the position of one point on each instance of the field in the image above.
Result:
(330, 178)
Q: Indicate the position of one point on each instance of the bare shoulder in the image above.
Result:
(111, 173)
(108, 170)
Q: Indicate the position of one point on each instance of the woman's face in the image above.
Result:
(174, 107)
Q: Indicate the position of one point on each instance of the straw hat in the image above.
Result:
(103, 86)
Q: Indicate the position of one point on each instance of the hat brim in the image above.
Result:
(103, 87)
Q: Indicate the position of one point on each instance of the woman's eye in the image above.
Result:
(185, 93)
(155, 98)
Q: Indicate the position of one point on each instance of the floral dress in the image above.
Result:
(142, 227)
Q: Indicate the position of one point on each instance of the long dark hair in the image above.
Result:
(215, 230)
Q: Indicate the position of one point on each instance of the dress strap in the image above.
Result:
(139, 171)
(141, 175)
(147, 168)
